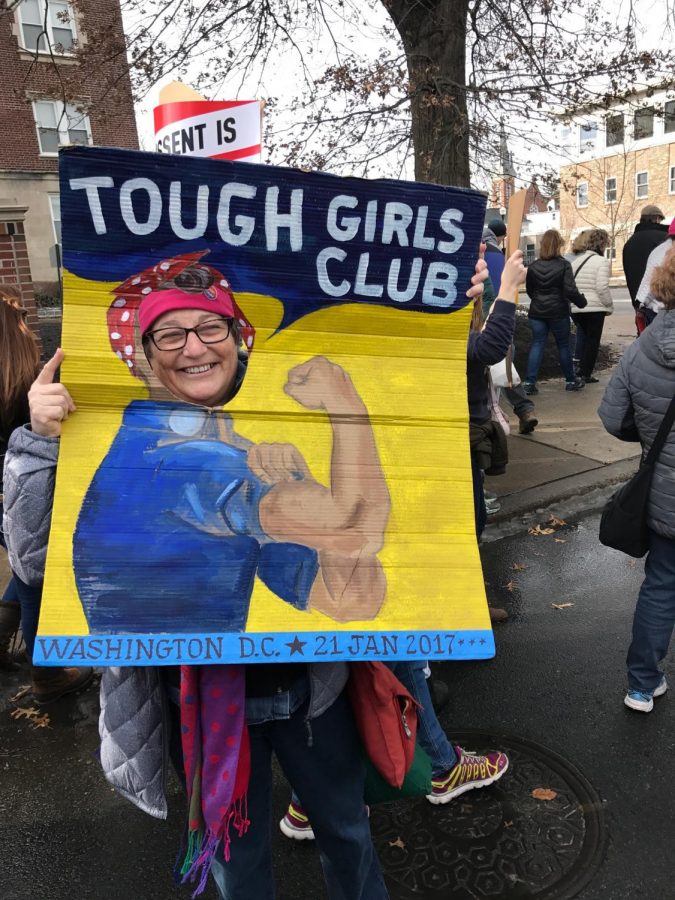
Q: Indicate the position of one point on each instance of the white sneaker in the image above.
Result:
(643, 701)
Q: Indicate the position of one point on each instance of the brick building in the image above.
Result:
(54, 90)
(620, 160)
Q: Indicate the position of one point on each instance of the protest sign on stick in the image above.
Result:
(187, 124)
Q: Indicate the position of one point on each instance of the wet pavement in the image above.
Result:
(557, 682)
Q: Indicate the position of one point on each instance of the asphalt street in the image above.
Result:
(558, 679)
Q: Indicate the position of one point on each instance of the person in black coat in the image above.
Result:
(551, 287)
(648, 234)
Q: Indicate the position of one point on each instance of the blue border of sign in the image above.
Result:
(261, 647)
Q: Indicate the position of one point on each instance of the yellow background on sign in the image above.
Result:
(409, 369)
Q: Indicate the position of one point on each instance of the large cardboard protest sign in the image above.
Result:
(326, 511)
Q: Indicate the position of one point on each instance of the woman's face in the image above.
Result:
(197, 373)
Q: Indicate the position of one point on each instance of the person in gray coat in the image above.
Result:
(632, 409)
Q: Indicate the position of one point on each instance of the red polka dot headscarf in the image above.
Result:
(124, 310)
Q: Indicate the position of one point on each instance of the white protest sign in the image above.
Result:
(227, 129)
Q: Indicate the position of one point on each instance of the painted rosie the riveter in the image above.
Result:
(183, 513)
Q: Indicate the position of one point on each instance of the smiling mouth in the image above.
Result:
(198, 370)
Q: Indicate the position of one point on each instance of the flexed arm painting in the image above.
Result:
(183, 513)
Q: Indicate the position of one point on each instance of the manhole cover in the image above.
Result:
(498, 841)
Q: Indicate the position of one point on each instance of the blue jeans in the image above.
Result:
(328, 776)
(479, 510)
(28, 597)
(518, 399)
(560, 329)
(10, 595)
(654, 616)
(432, 738)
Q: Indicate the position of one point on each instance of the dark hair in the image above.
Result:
(580, 242)
(19, 356)
(597, 240)
(551, 244)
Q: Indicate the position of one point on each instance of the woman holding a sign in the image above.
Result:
(226, 720)
(182, 335)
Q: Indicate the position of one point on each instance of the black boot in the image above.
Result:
(51, 683)
(10, 619)
(440, 693)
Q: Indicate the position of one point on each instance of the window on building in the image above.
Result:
(588, 133)
(55, 209)
(643, 123)
(669, 116)
(610, 190)
(566, 138)
(530, 253)
(642, 185)
(610, 252)
(614, 130)
(582, 194)
(46, 24)
(671, 180)
(59, 124)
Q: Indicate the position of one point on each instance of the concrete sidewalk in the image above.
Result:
(568, 455)
(569, 459)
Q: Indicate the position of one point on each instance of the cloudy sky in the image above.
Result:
(283, 72)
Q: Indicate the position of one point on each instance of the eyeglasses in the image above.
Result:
(213, 331)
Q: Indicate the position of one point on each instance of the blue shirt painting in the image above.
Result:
(169, 536)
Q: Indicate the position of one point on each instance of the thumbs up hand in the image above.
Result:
(50, 404)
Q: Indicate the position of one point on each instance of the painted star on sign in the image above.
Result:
(296, 645)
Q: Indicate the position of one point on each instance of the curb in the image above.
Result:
(581, 494)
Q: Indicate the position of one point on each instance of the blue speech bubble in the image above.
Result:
(310, 239)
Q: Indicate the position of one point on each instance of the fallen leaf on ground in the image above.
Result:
(561, 605)
(23, 690)
(544, 794)
(554, 520)
(539, 530)
(518, 567)
(42, 721)
(508, 824)
(559, 541)
(397, 843)
(33, 715)
(509, 587)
